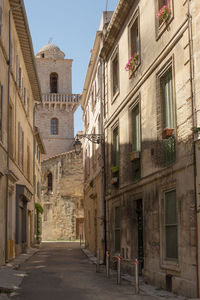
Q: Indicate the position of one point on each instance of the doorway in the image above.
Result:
(139, 211)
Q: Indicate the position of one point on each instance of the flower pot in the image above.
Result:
(167, 132)
(114, 180)
(134, 155)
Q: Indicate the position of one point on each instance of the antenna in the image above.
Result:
(50, 40)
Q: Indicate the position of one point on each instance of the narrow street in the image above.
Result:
(61, 271)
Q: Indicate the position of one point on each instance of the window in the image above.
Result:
(134, 37)
(20, 146)
(117, 228)
(115, 152)
(38, 189)
(170, 225)
(17, 69)
(54, 83)
(161, 3)
(54, 126)
(28, 162)
(1, 112)
(0, 16)
(11, 131)
(136, 140)
(115, 75)
(167, 99)
(49, 182)
(99, 80)
(20, 78)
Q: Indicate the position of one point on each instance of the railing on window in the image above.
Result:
(60, 98)
(165, 152)
(169, 151)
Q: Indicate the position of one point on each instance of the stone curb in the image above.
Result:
(145, 289)
(10, 276)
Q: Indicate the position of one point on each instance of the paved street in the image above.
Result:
(62, 271)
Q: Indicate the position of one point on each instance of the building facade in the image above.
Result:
(62, 169)
(62, 197)
(93, 152)
(19, 89)
(55, 115)
(151, 129)
(150, 160)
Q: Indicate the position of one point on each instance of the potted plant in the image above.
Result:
(132, 63)
(114, 169)
(167, 132)
(164, 13)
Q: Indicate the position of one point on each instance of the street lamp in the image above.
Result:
(94, 138)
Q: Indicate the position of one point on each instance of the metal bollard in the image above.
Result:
(136, 276)
(119, 269)
(107, 264)
(98, 261)
(80, 240)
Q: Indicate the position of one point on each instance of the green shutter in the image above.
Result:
(136, 129)
(171, 226)
(168, 101)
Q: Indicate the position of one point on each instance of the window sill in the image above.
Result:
(114, 97)
(171, 265)
(132, 72)
(163, 27)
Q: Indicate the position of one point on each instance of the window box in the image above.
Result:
(132, 63)
(164, 13)
(134, 155)
(167, 132)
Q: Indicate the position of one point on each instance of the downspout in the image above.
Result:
(191, 53)
(8, 140)
(34, 144)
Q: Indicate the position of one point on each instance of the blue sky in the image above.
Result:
(72, 25)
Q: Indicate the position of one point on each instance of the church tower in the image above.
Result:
(55, 115)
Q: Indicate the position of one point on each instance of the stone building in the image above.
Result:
(19, 89)
(62, 170)
(91, 102)
(151, 123)
(62, 197)
(55, 115)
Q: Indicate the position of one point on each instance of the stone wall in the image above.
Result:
(63, 206)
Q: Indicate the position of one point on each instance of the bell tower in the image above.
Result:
(55, 115)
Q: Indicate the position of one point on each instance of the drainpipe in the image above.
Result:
(34, 166)
(8, 132)
(191, 52)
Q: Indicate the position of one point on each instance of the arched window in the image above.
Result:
(54, 126)
(50, 182)
(53, 82)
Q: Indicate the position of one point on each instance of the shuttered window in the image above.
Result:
(54, 126)
(171, 225)
(167, 99)
(136, 140)
(134, 36)
(115, 152)
(115, 75)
